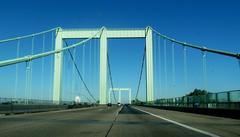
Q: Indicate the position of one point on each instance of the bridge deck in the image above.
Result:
(102, 121)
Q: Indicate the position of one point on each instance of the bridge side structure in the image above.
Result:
(119, 90)
(104, 36)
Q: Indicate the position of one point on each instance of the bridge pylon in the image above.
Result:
(104, 36)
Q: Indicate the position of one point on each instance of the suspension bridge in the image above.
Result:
(60, 69)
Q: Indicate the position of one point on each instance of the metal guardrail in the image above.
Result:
(18, 105)
(221, 100)
(21, 101)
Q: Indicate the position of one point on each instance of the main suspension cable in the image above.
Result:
(79, 73)
(28, 36)
(202, 48)
(110, 75)
(36, 56)
(140, 77)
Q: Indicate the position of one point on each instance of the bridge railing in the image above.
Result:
(221, 100)
(19, 105)
(21, 101)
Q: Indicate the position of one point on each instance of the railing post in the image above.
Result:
(228, 100)
(130, 96)
(216, 100)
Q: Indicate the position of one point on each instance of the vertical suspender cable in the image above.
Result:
(51, 67)
(78, 60)
(28, 76)
(27, 71)
(239, 63)
(83, 63)
(73, 74)
(185, 66)
(155, 66)
(165, 64)
(42, 71)
(67, 64)
(204, 65)
(31, 70)
(76, 85)
(97, 64)
(154, 61)
(65, 73)
(173, 64)
(159, 61)
(90, 64)
(94, 61)
(16, 74)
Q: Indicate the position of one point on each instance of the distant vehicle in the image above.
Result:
(7, 103)
(77, 100)
(109, 104)
(119, 104)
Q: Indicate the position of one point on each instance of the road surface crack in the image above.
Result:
(113, 121)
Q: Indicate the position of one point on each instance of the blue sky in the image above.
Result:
(214, 24)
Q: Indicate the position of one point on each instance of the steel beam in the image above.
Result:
(112, 33)
(119, 90)
(103, 67)
(149, 64)
(57, 80)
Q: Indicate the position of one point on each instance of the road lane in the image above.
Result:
(103, 121)
(225, 127)
(85, 123)
(133, 123)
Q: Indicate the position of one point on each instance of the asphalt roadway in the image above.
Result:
(124, 121)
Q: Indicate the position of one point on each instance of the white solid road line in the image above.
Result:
(180, 124)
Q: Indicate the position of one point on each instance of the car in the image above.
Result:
(119, 104)
(109, 104)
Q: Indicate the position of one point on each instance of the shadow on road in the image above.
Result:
(128, 110)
